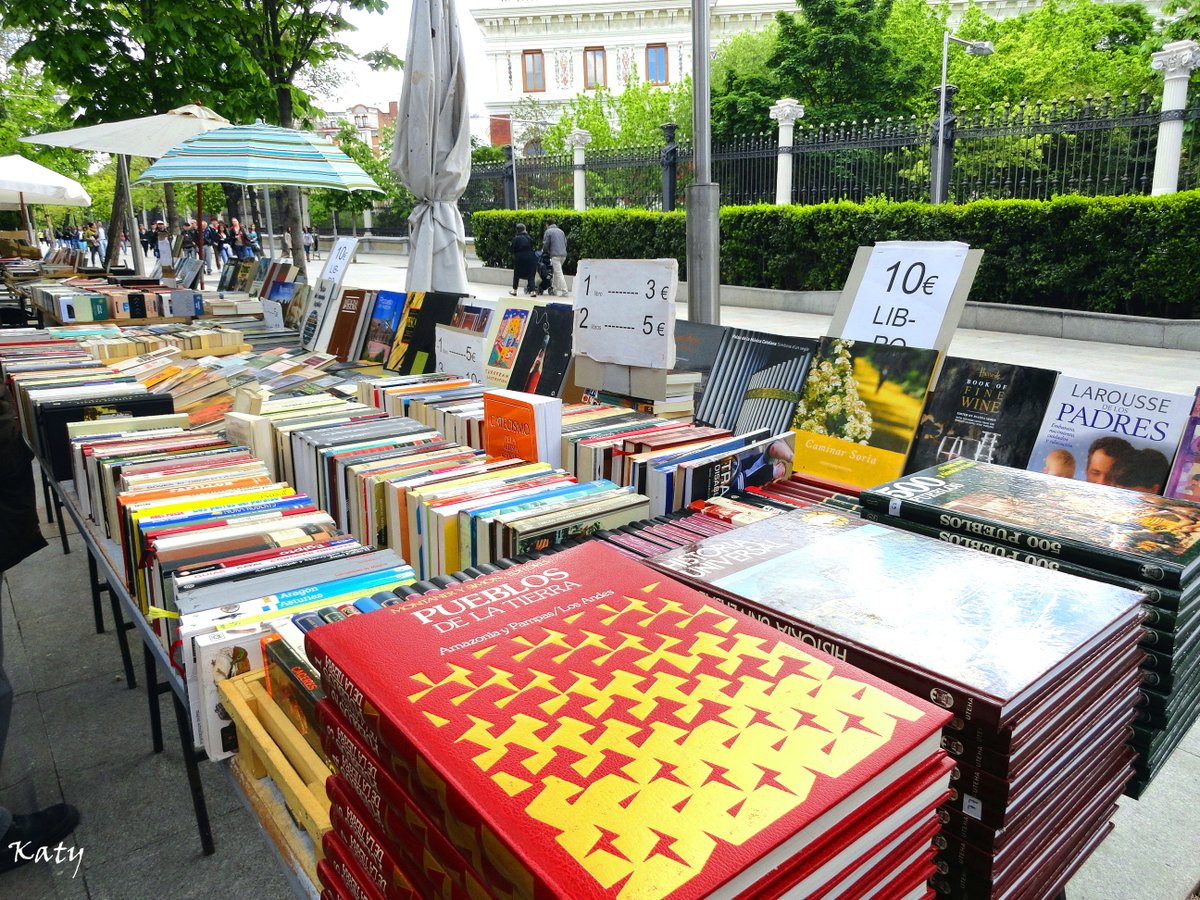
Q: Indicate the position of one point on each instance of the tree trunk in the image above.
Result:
(116, 221)
(172, 209)
(233, 199)
(283, 97)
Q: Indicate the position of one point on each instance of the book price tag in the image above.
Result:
(905, 293)
(273, 315)
(625, 311)
(460, 352)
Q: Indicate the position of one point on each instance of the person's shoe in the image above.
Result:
(512, 293)
(27, 834)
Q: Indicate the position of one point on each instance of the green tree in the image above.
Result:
(397, 199)
(744, 85)
(631, 118)
(834, 59)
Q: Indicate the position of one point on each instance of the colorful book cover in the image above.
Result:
(508, 341)
(982, 410)
(1128, 533)
(1110, 434)
(897, 604)
(509, 427)
(755, 382)
(414, 349)
(523, 701)
(1184, 482)
(385, 319)
(860, 410)
(541, 364)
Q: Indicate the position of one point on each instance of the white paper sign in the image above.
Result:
(625, 311)
(273, 315)
(322, 298)
(460, 352)
(905, 292)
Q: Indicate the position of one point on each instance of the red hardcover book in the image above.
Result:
(355, 884)
(381, 795)
(606, 731)
(392, 866)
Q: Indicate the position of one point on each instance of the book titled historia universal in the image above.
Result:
(603, 730)
(1110, 434)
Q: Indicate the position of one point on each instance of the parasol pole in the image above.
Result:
(270, 242)
(135, 245)
(25, 219)
(200, 230)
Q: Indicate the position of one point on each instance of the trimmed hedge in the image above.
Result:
(1135, 255)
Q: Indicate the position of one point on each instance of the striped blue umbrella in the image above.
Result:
(260, 155)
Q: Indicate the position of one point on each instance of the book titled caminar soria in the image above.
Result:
(584, 727)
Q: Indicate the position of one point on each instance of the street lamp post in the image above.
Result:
(974, 48)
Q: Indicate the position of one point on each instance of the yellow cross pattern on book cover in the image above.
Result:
(654, 738)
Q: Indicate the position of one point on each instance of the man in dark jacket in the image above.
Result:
(20, 537)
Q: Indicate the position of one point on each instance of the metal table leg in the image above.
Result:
(94, 584)
(62, 524)
(153, 690)
(122, 637)
(191, 758)
(46, 496)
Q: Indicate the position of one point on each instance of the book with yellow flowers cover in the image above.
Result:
(605, 731)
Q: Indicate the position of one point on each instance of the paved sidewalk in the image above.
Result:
(80, 735)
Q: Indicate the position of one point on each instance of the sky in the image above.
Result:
(361, 85)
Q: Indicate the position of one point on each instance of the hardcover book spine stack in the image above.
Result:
(475, 758)
(1040, 747)
(1146, 543)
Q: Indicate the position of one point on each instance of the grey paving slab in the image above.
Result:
(16, 663)
(172, 868)
(48, 881)
(116, 722)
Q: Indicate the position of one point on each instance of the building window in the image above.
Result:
(533, 69)
(656, 63)
(595, 68)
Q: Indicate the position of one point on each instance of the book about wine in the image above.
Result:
(1111, 434)
(982, 410)
(858, 417)
(605, 731)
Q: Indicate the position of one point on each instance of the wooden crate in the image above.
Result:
(270, 746)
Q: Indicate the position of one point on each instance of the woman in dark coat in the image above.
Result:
(524, 261)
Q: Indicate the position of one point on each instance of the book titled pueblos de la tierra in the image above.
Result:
(606, 731)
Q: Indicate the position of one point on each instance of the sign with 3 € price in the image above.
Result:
(625, 311)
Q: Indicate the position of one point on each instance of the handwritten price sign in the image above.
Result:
(906, 292)
(625, 311)
(460, 352)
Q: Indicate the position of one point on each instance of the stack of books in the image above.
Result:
(1039, 669)
(1140, 541)
(502, 737)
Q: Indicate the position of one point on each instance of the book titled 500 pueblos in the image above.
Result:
(608, 732)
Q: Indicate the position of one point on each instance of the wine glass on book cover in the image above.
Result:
(950, 447)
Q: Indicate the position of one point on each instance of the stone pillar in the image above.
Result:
(577, 140)
(785, 112)
(1176, 61)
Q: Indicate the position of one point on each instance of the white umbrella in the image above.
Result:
(432, 151)
(149, 136)
(22, 181)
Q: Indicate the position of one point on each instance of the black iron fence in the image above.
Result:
(1090, 146)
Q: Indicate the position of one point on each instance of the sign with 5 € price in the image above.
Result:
(625, 311)
(909, 293)
(460, 352)
(321, 300)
